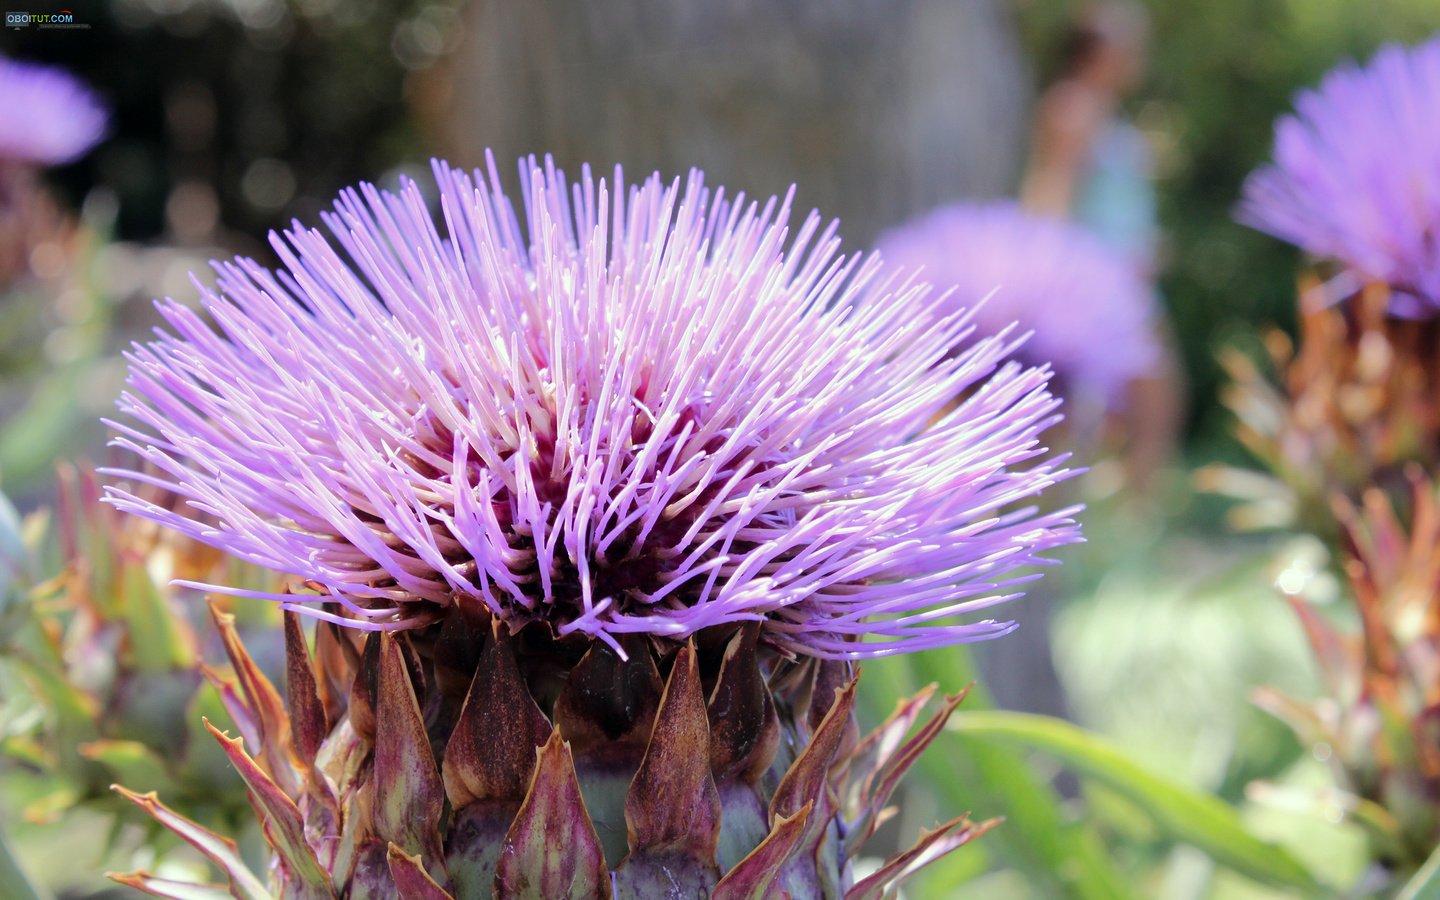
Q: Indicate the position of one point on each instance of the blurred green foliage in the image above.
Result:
(56, 365)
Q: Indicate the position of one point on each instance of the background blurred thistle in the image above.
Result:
(49, 119)
(1089, 311)
(1092, 314)
(112, 655)
(57, 307)
(1351, 436)
(1355, 182)
(618, 498)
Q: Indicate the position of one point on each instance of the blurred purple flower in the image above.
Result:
(1356, 175)
(47, 117)
(659, 413)
(1090, 312)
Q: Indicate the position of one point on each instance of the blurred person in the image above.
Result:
(1090, 164)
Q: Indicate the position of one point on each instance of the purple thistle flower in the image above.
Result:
(1090, 311)
(657, 414)
(47, 118)
(1356, 176)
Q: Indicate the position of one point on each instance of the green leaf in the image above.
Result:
(130, 762)
(1060, 856)
(74, 710)
(157, 641)
(1186, 815)
(46, 808)
(204, 764)
(14, 557)
(24, 749)
(50, 425)
(1425, 883)
(13, 881)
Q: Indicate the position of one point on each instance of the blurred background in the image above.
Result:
(233, 117)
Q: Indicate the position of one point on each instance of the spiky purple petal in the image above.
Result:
(657, 413)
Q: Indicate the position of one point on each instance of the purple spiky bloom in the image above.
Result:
(1090, 311)
(657, 413)
(1356, 175)
(47, 118)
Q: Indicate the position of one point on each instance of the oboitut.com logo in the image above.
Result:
(62, 19)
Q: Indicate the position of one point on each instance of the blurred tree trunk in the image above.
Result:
(877, 109)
